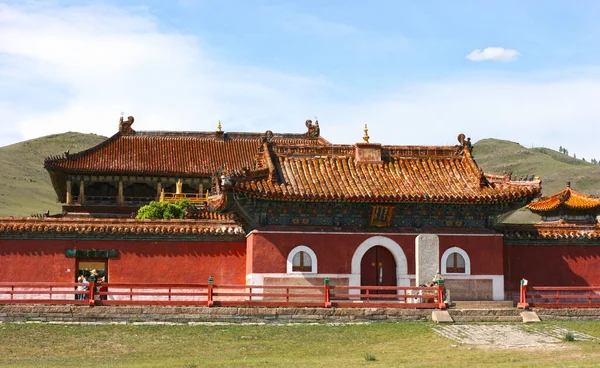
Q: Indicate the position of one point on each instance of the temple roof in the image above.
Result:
(123, 228)
(190, 154)
(568, 199)
(400, 174)
(556, 230)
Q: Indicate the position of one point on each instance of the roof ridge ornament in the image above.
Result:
(219, 127)
(125, 126)
(366, 135)
(465, 143)
(313, 129)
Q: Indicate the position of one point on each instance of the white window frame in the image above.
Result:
(465, 256)
(298, 249)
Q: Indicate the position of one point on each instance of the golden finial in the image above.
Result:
(219, 126)
(366, 136)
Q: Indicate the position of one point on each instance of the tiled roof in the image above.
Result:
(558, 230)
(568, 198)
(191, 154)
(120, 227)
(404, 174)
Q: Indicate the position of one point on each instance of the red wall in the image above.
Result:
(557, 265)
(267, 252)
(139, 261)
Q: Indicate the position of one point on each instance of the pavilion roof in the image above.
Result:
(568, 199)
(403, 174)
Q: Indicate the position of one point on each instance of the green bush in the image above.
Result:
(163, 210)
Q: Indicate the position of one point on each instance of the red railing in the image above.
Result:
(222, 295)
(45, 293)
(559, 296)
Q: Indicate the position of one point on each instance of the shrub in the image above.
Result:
(163, 210)
(569, 337)
(370, 357)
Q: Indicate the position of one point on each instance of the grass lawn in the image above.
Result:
(391, 344)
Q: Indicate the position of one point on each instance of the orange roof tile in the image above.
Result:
(568, 198)
(557, 230)
(404, 174)
(191, 154)
(120, 227)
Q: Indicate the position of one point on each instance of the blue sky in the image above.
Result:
(416, 72)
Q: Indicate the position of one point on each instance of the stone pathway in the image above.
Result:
(508, 336)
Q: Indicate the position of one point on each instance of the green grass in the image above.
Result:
(25, 186)
(391, 344)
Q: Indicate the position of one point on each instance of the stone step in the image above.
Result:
(485, 312)
(464, 319)
(484, 304)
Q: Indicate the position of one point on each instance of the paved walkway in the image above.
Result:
(509, 336)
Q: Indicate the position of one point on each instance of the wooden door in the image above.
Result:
(378, 268)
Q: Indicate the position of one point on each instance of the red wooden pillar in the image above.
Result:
(523, 295)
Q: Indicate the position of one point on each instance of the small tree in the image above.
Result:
(163, 210)
(574, 155)
(561, 149)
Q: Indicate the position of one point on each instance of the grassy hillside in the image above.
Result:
(554, 168)
(25, 186)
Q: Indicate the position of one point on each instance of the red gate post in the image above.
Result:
(523, 295)
(440, 292)
(210, 301)
(92, 292)
(327, 293)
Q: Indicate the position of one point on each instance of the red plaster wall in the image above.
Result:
(139, 261)
(558, 265)
(334, 251)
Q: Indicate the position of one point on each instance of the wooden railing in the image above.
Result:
(559, 296)
(45, 293)
(193, 198)
(222, 295)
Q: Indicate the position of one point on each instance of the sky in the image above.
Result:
(417, 72)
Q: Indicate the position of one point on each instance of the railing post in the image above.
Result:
(210, 301)
(440, 293)
(327, 294)
(92, 293)
(523, 295)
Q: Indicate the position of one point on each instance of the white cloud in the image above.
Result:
(494, 54)
(77, 68)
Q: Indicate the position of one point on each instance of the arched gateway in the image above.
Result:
(379, 249)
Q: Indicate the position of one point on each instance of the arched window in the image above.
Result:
(301, 262)
(302, 259)
(456, 261)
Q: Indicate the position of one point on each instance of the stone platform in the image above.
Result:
(138, 314)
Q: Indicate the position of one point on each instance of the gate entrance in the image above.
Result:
(378, 268)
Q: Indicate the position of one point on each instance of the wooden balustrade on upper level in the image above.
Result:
(193, 198)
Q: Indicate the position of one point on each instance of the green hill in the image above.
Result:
(554, 168)
(25, 186)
